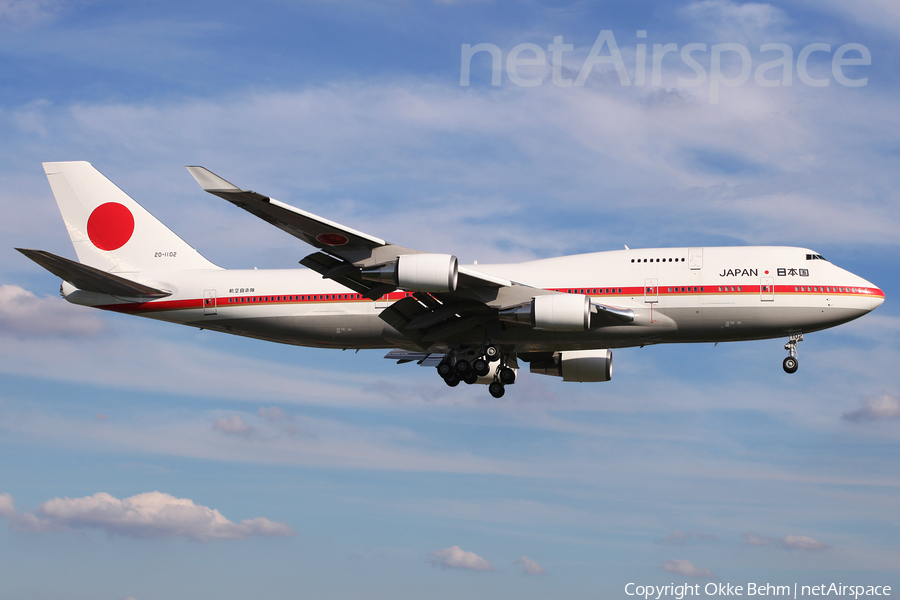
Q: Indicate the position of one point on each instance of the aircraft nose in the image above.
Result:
(876, 295)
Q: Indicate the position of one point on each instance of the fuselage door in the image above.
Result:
(651, 290)
(695, 258)
(767, 289)
(209, 302)
(382, 302)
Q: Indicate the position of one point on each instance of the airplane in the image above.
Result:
(473, 323)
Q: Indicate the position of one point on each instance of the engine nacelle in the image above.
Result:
(577, 365)
(552, 312)
(418, 272)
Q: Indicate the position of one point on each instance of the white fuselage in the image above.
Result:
(677, 295)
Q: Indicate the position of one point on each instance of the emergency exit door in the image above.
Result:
(767, 289)
(209, 302)
(651, 290)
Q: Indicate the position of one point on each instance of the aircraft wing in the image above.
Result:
(344, 254)
(356, 249)
(326, 235)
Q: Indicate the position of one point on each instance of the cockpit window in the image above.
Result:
(815, 257)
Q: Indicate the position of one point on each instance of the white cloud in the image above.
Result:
(23, 12)
(233, 425)
(802, 542)
(149, 515)
(7, 508)
(885, 406)
(686, 568)
(755, 539)
(881, 14)
(23, 314)
(273, 413)
(455, 557)
(531, 567)
(788, 542)
(735, 15)
(678, 537)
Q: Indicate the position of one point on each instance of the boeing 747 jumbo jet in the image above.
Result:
(473, 323)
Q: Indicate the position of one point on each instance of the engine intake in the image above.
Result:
(552, 312)
(418, 272)
(577, 365)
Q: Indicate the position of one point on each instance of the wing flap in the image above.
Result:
(423, 359)
(345, 273)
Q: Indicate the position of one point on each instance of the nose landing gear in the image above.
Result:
(790, 363)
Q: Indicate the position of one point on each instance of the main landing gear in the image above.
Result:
(455, 368)
(790, 363)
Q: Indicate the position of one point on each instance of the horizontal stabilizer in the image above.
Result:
(90, 279)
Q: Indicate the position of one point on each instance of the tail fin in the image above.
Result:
(112, 232)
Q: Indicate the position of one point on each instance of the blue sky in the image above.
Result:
(341, 475)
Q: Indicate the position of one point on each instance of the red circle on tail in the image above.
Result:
(110, 226)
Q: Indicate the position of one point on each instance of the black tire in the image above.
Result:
(444, 369)
(492, 353)
(790, 365)
(452, 380)
(463, 367)
(481, 367)
(496, 389)
(507, 376)
(470, 378)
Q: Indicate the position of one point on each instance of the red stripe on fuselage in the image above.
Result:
(596, 292)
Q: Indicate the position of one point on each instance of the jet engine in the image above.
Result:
(418, 272)
(553, 312)
(577, 365)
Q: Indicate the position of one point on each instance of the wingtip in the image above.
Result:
(209, 181)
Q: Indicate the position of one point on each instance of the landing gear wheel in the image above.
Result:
(507, 376)
(452, 380)
(463, 367)
(790, 363)
(496, 389)
(481, 367)
(471, 377)
(492, 353)
(445, 369)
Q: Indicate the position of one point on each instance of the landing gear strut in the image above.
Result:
(790, 363)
